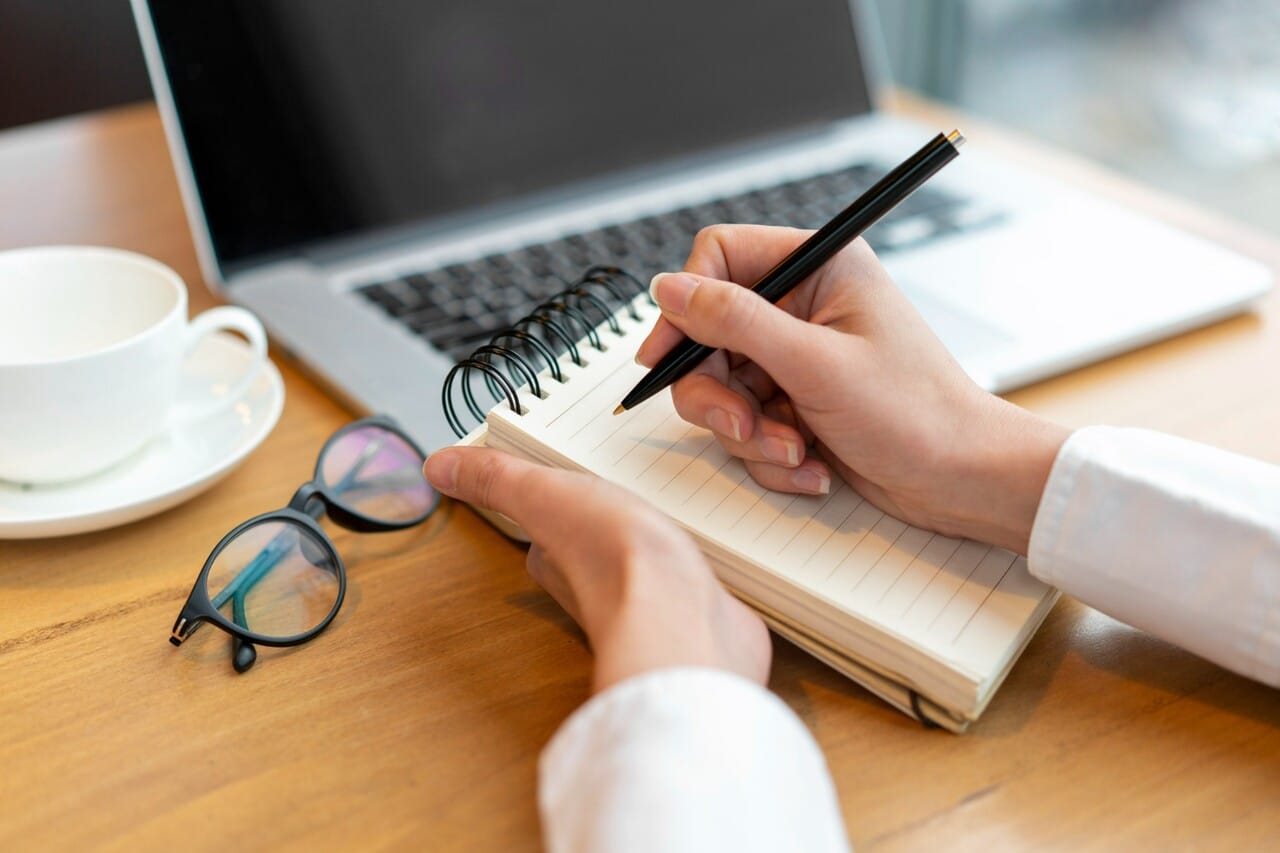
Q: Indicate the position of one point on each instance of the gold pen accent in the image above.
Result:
(619, 410)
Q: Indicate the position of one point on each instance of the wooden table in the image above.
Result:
(417, 719)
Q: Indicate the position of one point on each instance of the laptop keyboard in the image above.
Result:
(460, 306)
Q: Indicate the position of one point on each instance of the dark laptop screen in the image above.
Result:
(312, 119)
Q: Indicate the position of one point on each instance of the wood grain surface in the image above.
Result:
(416, 720)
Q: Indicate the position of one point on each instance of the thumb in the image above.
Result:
(524, 492)
(728, 316)
(553, 506)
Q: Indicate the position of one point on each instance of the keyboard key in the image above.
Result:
(500, 264)
(427, 318)
(540, 287)
(459, 333)
(395, 297)
(513, 297)
(427, 290)
(384, 298)
(459, 272)
(456, 308)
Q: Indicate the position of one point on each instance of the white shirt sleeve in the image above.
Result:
(1176, 538)
(686, 759)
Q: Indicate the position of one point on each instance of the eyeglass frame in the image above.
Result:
(199, 607)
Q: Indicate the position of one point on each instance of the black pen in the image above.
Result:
(865, 211)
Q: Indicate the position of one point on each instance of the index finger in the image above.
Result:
(741, 253)
(738, 253)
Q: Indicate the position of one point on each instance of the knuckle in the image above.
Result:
(485, 479)
(710, 250)
(860, 253)
(533, 484)
(860, 246)
(768, 475)
(738, 309)
(733, 448)
(685, 403)
(690, 395)
(711, 236)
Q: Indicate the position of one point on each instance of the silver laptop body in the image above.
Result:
(1022, 276)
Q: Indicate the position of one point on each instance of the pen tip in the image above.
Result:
(620, 409)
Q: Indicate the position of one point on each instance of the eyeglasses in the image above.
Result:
(276, 579)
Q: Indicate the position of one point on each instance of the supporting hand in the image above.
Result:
(634, 581)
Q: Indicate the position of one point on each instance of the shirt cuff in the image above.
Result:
(1173, 537)
(686, 759)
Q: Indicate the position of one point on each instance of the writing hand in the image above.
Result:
(844, 373)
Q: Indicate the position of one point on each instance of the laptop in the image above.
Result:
(387, 184)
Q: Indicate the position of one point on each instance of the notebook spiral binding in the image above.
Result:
(600, 290)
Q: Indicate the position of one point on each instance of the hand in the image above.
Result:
(846, 366)
(634, 581)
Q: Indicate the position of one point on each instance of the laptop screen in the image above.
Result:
(308, 120)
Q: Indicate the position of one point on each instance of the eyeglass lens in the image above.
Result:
(377, 474)
(275, 578)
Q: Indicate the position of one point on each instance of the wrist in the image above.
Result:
(1003, 473)
(675, 613)
(657, 613)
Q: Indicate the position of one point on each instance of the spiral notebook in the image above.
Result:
(929, 623)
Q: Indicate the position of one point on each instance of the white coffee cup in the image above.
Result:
(92, 342)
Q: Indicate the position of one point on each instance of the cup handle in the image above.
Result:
(225, 318)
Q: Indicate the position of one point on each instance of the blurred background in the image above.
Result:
(1180, 94)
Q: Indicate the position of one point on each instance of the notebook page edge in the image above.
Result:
(923, 663)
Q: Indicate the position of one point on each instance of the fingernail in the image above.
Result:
(641, 354)
(441, 470)
(813, 482)
(672, 291)
(784, 451)
(725, 423)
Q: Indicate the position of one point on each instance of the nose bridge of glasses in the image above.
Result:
(308, 500)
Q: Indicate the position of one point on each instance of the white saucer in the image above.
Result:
(172, 467)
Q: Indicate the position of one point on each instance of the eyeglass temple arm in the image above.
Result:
(249, 576)
(243, 652)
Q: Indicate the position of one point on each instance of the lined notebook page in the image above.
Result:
(961, 601)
